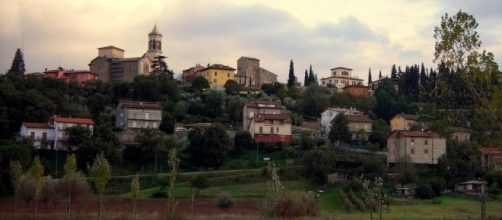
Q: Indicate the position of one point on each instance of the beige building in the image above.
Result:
(271, 128)
(360, 127)
(402, 122)
(340, 78)
(460, 134)
(132, 115)
(253, 108)
(491, 158)
(329, 114)
(249, 73)
(217, 75)
(189, 74)
(112, 66)
(415, 147)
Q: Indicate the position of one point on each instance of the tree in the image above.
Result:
(199, 83)
(317, 164)
(232, 87)
(48, 191)
(460, 163)
(77, 136)
(213, 104)
(74, 187)
(369, 76)
(17, 67)
(100, 172)
(208, 148)
(37, 171)
(393, 72)
(168, 123)
(275, 191)
(171, 197)
(339, 132)
(314, 101)
(243, 140)
(70, 168)
(291, 76)
(135, 187)
(306, 80)
(150, 141)
(312, 76)
(16, 170)
(388, 101)
(196, 185)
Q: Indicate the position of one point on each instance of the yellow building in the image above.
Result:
(217, 75)
(402, 122)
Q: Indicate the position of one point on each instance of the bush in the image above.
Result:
(297, 204)
(424, 191)
(225, 201)
(159, 194)
(354, 185)
(26, 189)
(76, 185)
(48, 191)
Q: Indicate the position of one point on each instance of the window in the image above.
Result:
(261, 130)
(44, 136)
(147, 115)
(271, 130)
(228, 75)
(426, 151)
(214, 80)
(413, 140)
(426, 142)
(215, 73)
(32, 135)
(277, 130)
(412, 151)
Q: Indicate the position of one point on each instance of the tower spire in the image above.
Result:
(154, 43)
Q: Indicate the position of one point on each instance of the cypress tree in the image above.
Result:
(311, 75)
(380, 75)
(291, 77)
(17, 67)
(369, 76)
(306, 80)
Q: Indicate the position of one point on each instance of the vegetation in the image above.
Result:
(100, 172)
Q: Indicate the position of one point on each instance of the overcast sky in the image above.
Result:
(356, 34)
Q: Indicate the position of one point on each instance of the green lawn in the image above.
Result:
(452, 207)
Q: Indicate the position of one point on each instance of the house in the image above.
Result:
(491, 158)
(340, 78)
(404, 190)
(330, 113)
(374, 84)
(133, 115)
(460, 134)
(470, 187)
(402, 122)
(415, 147)
(77, 76)
(360, 127)
(217, 75)
(190, 74)
(252, 108)
(249, 73)
(356, 90)
(266, 122)
(52, 135)
(271, 128)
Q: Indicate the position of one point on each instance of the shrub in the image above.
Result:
(346, 202)
(424, 191)
(354, 185)
(297, 204)
(356, 201)
(48, 191)
(26, 189)
(159, 194)
(75, 185)
(225, 201)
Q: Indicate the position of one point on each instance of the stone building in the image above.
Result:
(252, 108)
(330, 113)
(249, 73)
(402, 122)
(189, 74)
(356, 90)
(112, 66)
(77, 76)
(360, 127)
(340, 78)
(415, 147)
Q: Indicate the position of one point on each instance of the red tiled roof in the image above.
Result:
(491, 150)
(263, 104)
(342, 77)
(428, 134)
(141, 105)
(73, 120)
(218, 66)
(35, 125)
(358, 118)
(407, 117)
(341, 67)
(279, 117)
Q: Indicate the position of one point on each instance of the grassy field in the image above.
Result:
(451, 207)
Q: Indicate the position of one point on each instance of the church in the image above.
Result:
(111, 66)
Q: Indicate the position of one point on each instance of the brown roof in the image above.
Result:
(219, 66)
(73, 120)
(141, 105)
(358, 118)
(491, 150)
(263, 104)
(111, 47)
(341, 67)
(35, 125)
(279, 117)
(427, 134)
(408, 117)
(342, 77)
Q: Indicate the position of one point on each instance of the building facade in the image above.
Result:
(329, 114)
(189, 74)
(249, 73)
(402, 122)
(253, 108)
(133, 115)
(360, 127)
(75, 76)
(217, 75)
(340, 78)
(40, 134)
(271, 128)
(491, 158)
(415, 147)
(356, 90)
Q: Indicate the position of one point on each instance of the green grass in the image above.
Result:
(451, 207)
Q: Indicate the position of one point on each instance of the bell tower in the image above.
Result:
(154, 44)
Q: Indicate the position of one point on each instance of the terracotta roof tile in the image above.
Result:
(491, 150)
(73, 120)
(263, 104)
(358, 118)
(35, 125)
(141, 105)
(279, 117)
(408, 117)
(428, 134)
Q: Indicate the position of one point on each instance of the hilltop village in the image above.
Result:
(410, 133)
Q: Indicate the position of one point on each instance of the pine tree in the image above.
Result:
(17, 67)
(291, 77)
(380, 75)
(369, 76)
(306, 80)
(423, 76)
(311, 75)
(393, 73)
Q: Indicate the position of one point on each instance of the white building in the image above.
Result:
(132, 115)
(52, 135)
(341, 77)
(329, 114)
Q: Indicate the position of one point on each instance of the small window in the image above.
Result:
(214, 80)
(261, 130)
(215, 73)
(277, 130)
(228, 75)
(32, 135)
(412, 151)
(271, 130)
(412, 140)
(426, 151)
(426, 142)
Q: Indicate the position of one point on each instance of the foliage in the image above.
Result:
(344, 199)
(48, 192)
(388, 102)
(208, 148)
(232, 87)
(77, 136)
(291, 76)
(243, 141)
(173, 162)
(135, 188)
(150, 142)
(26, 189)
(380, 131)
(339, 132)
(199, 83)
(317, 164)
(17, 67)
(275, 191)
(424, 191)
(100, 173)
(16, 170)
(460, 163)
(356, 201)
(8, 153)
(275, 88)
(314, 101)
(225, 201)
(168, 123)
(306, 141)
(297, 204)
(36, 172)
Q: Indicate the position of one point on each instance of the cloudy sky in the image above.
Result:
(324, 33)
